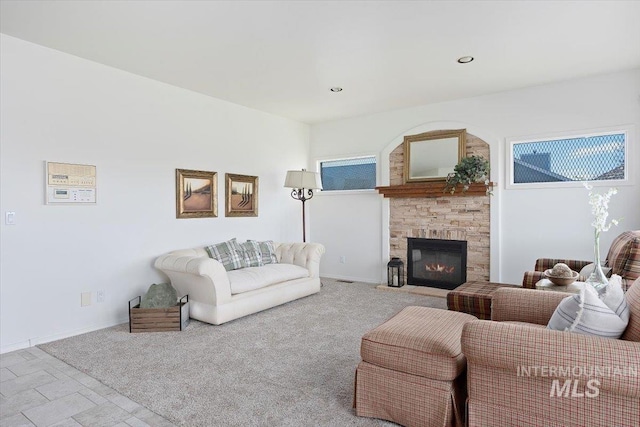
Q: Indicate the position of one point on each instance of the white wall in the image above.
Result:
(526, 224)
(57, 107)
(349, 226)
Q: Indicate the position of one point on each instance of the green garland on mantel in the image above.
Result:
(471, 169)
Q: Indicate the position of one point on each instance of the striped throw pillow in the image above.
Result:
(229, 253)
(588, 313)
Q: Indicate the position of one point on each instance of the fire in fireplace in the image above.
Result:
(440, 269)
(436, 263)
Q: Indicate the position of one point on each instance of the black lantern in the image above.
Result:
(395, 273)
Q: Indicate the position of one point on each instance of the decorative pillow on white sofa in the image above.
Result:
(589, 314)
(267, 251)
(251, 253)
(229, 253)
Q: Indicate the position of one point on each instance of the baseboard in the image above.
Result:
(55, 337)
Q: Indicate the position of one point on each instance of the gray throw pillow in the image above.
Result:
(229, 253)
(251, 253)
(267, 251)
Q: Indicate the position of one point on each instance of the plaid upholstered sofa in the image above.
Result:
(521, 374)
(623, 258)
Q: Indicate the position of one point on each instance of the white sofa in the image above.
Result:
(217, 296)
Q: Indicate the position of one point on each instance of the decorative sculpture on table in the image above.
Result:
(561, 274)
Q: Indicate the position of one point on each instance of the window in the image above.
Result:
(592, 157)
(348, 174)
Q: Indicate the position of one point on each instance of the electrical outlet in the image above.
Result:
(100, 295)
(85, 299)
(343, 259)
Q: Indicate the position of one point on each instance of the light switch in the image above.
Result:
(10, 218)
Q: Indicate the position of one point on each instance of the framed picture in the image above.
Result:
(241, 195)
(196, 194)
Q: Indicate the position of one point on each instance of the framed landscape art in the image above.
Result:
(241, 193)
(196, 194)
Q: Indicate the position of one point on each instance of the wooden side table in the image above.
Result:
(547, 285)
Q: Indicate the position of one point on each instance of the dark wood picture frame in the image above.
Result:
(196, 194)
(241, 195)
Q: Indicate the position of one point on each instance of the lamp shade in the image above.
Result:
(303, 179)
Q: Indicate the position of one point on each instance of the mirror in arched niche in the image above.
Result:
(474, 146)
(431, 156)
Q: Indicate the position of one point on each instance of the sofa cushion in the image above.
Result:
(420, 341)
(229, 253)
(251, 278)
(267, 251)
(251, 254)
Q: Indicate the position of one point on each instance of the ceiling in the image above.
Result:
(282, 57)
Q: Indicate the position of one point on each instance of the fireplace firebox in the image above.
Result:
(436, 263)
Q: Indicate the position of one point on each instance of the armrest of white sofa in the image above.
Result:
(305, 255)
(192, 272)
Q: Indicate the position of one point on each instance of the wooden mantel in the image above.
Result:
(432, 189)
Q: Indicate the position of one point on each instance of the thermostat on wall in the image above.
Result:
(70, 183)
(60, 194)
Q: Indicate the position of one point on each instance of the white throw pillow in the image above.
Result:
(588, 269)
(613, 297)
(589, 314)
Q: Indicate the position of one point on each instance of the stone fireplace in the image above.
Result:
(459, 217)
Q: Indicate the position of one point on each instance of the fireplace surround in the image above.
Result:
(444, 217)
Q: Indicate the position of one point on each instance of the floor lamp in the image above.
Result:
(303, 183)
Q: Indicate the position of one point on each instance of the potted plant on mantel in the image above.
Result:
(470, 170)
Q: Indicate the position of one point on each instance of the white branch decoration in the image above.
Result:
(600, 208)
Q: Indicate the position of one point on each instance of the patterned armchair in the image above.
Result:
(522, 374)
(623, 258)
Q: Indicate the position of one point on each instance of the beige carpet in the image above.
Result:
(417, 290)
(291, 365)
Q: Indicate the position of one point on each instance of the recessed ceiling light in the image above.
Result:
(336, 89)
(465, 59)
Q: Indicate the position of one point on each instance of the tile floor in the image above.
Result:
(36, 389)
